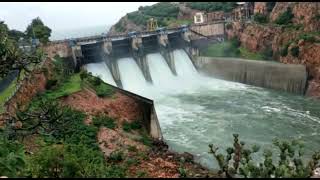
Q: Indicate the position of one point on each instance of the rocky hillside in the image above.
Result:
(167, 14)
(291, 30)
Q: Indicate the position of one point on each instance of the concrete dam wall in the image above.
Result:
(150, 119)
(273, 75)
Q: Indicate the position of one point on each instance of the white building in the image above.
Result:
(198, 18)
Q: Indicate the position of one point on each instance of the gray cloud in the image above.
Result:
(66, 15)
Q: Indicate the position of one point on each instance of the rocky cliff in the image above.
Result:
(124, 26)
(305, 13)
(304, 41)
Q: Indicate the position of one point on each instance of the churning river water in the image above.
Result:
(195, 110)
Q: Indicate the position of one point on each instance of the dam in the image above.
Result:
(200, 100)
(195, 110)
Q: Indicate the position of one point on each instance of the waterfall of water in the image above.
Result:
(183, 63)
(101, 69)
(131, 77)
(161, 74)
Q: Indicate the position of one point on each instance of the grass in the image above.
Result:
(131, 126)
(116, 156)
(104, 90)
(146, 140)
(71, 85)
(132, 148)
(6, 94)
(132, 161)
(225, 49)
(104, 121)
(216, 50)
(245, 53)
(175, 22)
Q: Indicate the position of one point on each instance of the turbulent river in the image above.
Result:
(195, 110)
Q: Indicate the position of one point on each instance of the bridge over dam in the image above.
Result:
(109, 48)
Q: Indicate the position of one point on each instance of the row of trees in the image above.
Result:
(11, 56)
(212, 6)
(36, 29)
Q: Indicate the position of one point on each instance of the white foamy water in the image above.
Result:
(183, 67)
(101, 69)
(132, 78)
(195, 110)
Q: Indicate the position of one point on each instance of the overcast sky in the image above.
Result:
(66, 15)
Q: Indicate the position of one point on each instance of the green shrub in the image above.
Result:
(104, 121)
(116, 156)
(267, 53)
(284, 50)
(228, 26)
(212, 6)
(51, 83)
(260, 18)
(141, 174)
(118, 27)
(131, 126)
(138, 18)
(290, 161)
(12, 158)
(182, 172)
(69, 160)
(162, 9)
(132, 149)
(45, 117)
(104, 90)
(132, 161)
(285, 18)
(308, 37)
(146, 140)
(295, 51)
(235, 43)
(160, 12)
(143, 155)
(316, 17)
(96, 81)
(83, 75)
(294, 26)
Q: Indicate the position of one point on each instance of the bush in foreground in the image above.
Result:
(238, 161)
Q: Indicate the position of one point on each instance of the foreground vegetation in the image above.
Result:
(238, 162)
(62, 145)
(13, 58)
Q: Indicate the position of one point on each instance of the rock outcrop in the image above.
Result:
(258, 37)
(305, 13)
(126, 25)
(260, 7)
